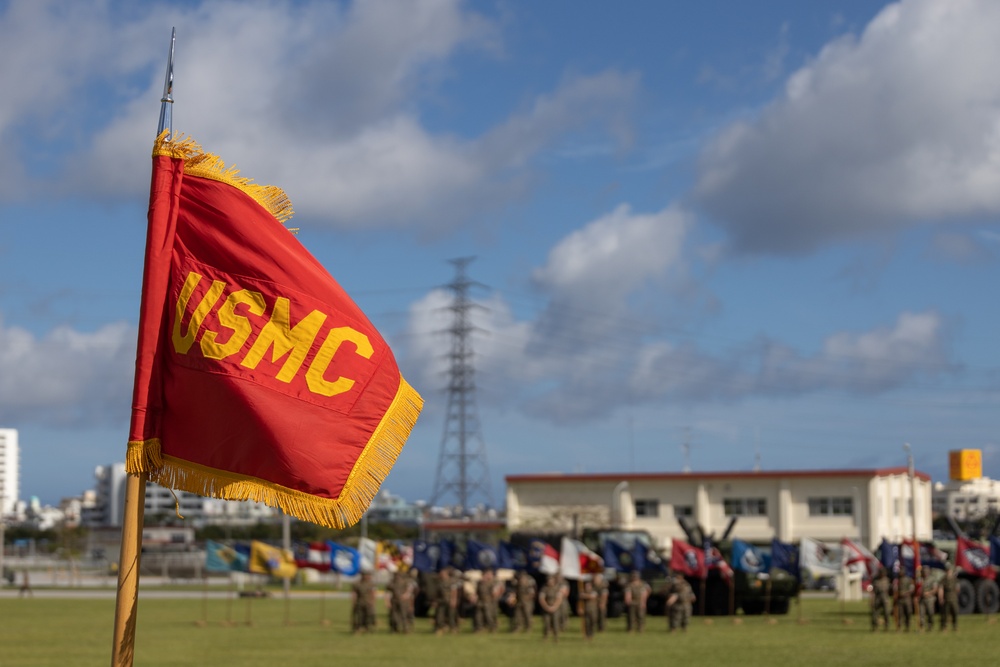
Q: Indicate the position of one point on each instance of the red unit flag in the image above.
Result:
(257, 377)
(974, 558)
(688, 560)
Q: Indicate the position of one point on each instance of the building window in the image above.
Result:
(647, 507)
(683, 510)
(835, 506)
(745, 506)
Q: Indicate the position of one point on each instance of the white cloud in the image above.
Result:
(896, 126)
(323, 99)
(610, 257)
(590, 350)
(68, 377)
(874, 361)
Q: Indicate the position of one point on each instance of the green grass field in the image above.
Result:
(38, 632)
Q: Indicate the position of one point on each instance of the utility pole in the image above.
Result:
(462, 468)
(913, 489)
(686, 449)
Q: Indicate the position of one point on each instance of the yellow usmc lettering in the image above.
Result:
(277, 335)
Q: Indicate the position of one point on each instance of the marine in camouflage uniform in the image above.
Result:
(363, 607)
(564, 606)
(601, 588)
(486, 602)
(636, 594)
(880, 599)
(948, 597)
(928, 596)
(398, 590)
(550, 599)
(413, 587)
(680, 599)
(446, 603)
(587, 608)
(905, 589)
(525, 592)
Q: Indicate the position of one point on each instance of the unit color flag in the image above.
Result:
(257, 377)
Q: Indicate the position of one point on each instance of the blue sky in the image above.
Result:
(764, 229)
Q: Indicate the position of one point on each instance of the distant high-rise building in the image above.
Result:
(10, 470)
(109, 503)
(105, 504)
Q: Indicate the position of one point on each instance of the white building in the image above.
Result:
(109, 500)
(828, 505)
(966, 499)
(10, 471)
(107, 503)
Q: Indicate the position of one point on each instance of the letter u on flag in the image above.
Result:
(257, 377)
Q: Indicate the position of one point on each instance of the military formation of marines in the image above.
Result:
(904, 599)
(552, 600)
(896, 602)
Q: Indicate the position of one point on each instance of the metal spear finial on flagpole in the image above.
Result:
(167, 101)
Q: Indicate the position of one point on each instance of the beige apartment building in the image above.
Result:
(827, 505)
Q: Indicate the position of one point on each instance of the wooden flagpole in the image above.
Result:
(127, 599)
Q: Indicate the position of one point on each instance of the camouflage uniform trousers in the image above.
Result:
(398, 616)
(363, 617)
(486, 615)
(880, 607)
(927, 613)
(550, 624)
(905, 606)
(949, 611)
(589, 622)
(636, 618)
(445, 617)
(521, 620)
(680, 615)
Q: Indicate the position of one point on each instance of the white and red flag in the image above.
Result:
(576, 561)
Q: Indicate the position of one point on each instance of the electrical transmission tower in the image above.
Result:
(462, 469)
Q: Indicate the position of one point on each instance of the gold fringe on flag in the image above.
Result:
(208, 165)
(362, 484)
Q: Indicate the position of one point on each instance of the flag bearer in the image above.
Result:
(602, 590)
(587, 609)
(928, 596)
(905, 589)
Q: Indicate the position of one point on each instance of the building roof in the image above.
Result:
(463, 526)
(709, 475)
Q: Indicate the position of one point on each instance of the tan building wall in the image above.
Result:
(867, 505)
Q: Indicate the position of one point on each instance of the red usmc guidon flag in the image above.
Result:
(257, 377)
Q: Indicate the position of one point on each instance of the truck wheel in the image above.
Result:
(779, 605)
(966, 597)
(987, 596)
